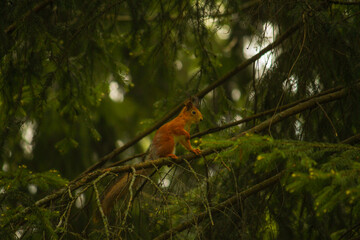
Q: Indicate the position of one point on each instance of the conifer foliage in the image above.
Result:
(84, 84)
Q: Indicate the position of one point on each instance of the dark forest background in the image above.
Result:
(84, 85)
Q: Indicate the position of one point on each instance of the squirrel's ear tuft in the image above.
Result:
(191, 102)
(188, 104)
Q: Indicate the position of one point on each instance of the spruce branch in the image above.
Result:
(85, 179)
(222, 206)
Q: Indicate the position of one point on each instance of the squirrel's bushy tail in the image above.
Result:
(121, 188)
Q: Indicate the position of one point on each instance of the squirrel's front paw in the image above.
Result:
(196, 151)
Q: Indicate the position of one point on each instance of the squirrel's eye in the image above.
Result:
(193, 112)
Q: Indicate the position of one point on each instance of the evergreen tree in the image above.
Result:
(84, 84)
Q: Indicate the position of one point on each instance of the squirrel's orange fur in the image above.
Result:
(163, 145)
(175, 131)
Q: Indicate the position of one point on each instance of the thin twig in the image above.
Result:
(292, 67)
(328, 118)
(208, 194)
(148, 179)
(131, 194)
(206, 203)
(66, 212)
(255, 91)
(104, 219)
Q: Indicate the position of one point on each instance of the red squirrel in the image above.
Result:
(163, 145)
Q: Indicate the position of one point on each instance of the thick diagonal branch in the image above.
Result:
(251, 60)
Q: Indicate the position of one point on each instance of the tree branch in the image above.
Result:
(249, 61)
(261, 114)
(35, 9)
(297, 109)
(352, 140)
(222, 206)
